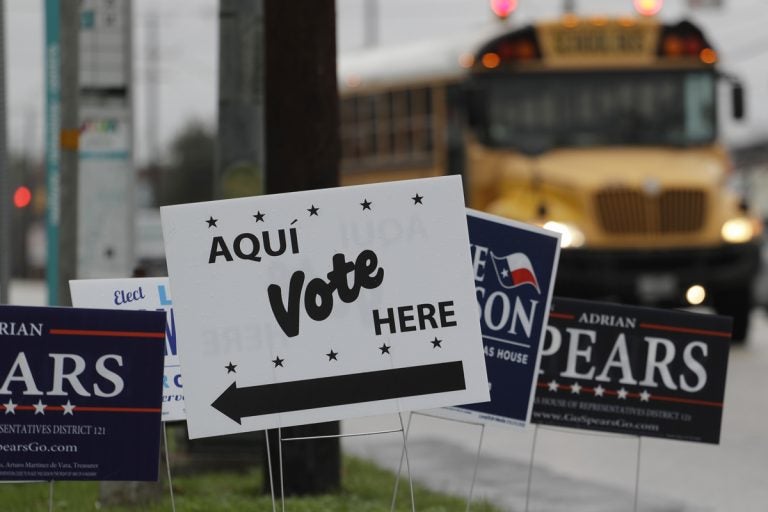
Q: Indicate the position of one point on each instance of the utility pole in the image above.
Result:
(303, 152)
(69, 20)
(278, 132)
(240, 152)
(152, 112)
(5, 189)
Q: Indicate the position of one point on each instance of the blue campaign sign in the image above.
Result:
(514, 268)
(146, 293)
(633, 370)
(80, 393)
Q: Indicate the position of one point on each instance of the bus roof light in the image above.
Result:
(503, 8)
(491, 60)
(466, 60)
(648, 7)
(708, 56)
(693, 45)
(673, 45)
(522, 45)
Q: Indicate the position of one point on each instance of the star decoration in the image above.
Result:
(313, 210)
(212, 222)
(645, 396)
(384, 348)
(417, 199)
(505, 273)
(366, 204)
(278, 362)
(39, 407)
(68, 408)
(332, 355)
(599, 390)
(553, 385)
(231, 368)
(259, 216)
(436, 343)
(622, 394)
(10, 407)
(575, 388)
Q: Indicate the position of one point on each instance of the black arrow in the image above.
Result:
(238, 403)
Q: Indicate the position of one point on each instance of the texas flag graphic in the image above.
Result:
(515, 270)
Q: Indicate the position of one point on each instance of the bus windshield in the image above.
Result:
(538, 112)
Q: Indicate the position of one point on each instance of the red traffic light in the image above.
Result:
(503, 8)
(22, 197)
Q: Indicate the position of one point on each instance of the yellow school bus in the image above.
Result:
(605, 130)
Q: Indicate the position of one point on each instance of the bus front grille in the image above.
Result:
(625, 211)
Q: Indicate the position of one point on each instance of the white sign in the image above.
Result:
(323, 305)
(105, 192)
(104, 43)
(150, 293)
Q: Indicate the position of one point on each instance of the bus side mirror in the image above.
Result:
(737, 100)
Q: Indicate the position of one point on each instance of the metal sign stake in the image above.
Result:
(637, 473)
(269, 465)
(168, 467)
(530, 468)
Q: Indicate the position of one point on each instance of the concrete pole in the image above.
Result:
(152, 111)
(6, 252)
(69, 19)
(240, 151)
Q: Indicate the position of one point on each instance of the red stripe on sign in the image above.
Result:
(687, 330)
(687, 401)
(563, 316)
(116, 409)
(110, 334)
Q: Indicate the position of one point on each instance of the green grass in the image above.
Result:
(365, 488)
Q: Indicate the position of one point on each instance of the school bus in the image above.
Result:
(605, 130)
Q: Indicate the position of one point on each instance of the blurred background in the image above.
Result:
(175, 52)
(394, 54)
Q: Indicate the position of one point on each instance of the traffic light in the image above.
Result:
(22, 197)
(503, 8)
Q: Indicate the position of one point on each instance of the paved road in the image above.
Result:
(578, 471)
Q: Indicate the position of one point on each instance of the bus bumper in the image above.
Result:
(656, 277)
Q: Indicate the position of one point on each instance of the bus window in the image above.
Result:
(601, 109)
(699, 106)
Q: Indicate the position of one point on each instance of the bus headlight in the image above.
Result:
(738, 230)
(570, 235)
